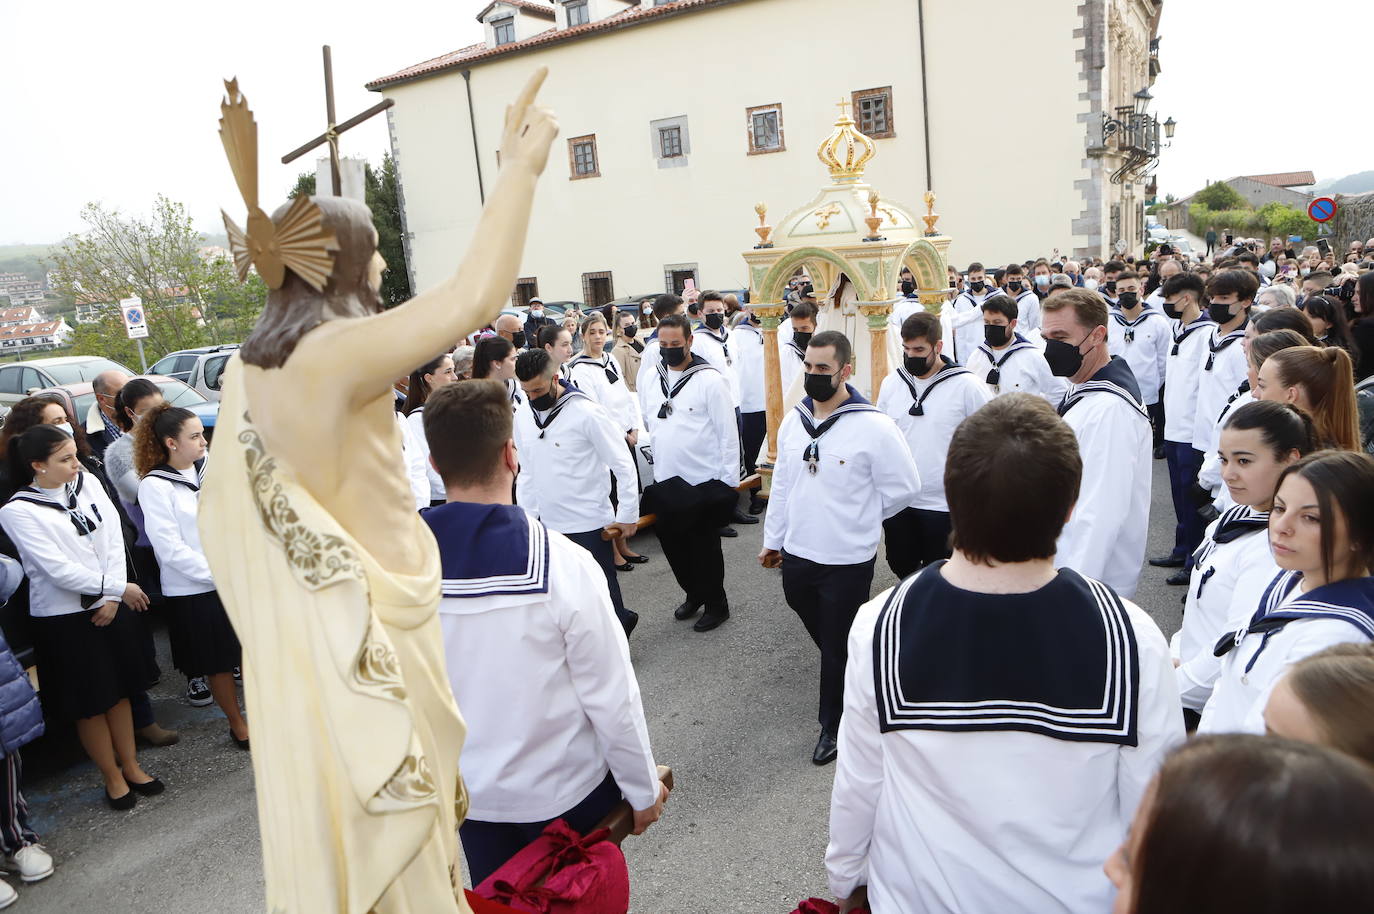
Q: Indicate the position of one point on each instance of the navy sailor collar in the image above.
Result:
(947, 370)
(67, 505)
(1145, 312)
(1018, 343)
(1061, 662)
(164, 471)
(1182, 332)
(489, 549)
(1350, 601)
(571, 393)
(1114, 378)
(854, 403)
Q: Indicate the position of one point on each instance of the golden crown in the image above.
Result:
(846, 151)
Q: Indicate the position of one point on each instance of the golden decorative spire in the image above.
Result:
(846, 152)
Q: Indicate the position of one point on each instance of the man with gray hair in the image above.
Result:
(101, 430)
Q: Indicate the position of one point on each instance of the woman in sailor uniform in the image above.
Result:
(1321, 529)
(169, 454)
(1233, 565)
(423, 381)
(90, 655)
(494, 357)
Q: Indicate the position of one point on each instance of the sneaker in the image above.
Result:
(8, 895)
(198, 692)
(31, 862)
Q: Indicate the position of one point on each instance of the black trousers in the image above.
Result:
(753, 429)
(688, 520)
(1156, 412)
(604, 554)
(1185, 462)
(915, 538)
(826, 599)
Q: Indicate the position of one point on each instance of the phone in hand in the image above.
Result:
(690, 285)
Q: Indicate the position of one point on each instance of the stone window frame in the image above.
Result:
(656, 128)
(587, 284)
(585, 140)
(519, 301)
(749, 114)
(885, 92)
(670, 268)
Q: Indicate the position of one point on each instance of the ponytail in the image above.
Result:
(1282, 426)
(158, 424)
(417, 391)
(1326, 377)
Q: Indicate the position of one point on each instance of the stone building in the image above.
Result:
(678, 116)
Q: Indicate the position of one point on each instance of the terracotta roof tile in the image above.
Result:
(1285, 178)
(479, 53)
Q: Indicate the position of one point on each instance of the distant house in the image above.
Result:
(26, 314)
(1257, 191)
(35, 337)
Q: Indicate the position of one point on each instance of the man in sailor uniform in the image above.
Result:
(536, 659)
(1027, 302)
(793, 336)
(1142, 336)
(570, 447)
(1002, 718)
(746, 341)
(1105, 537)
(1008, 362)
(646, 382)
(1183, 295)
(963, 318)
(711, 341)
(691, 419)
(1223, 366)
(843, 468)
(928, 396)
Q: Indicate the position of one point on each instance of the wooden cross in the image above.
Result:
(843, 106)
(332, 130)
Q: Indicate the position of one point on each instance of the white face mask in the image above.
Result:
(1090, 284)
(65, 426)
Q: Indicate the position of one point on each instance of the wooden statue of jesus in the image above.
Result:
(330, 577)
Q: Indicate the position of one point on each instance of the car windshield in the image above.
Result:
(82, 404)
(76, 372)
(178, 394)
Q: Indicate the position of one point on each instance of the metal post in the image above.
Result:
(141, 358)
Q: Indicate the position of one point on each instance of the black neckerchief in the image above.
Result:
(1350, 601)
(1221, 344)
(1237, 522)
(1061, 662)
(806, 412)
(1019, 343)
(514, 391)
(67, 504)
(1184, 332)
(918, 406)
(1241, 391)
(801, 353)
(570, 393)
(689, 371)
(165, 471)
(719, 339)
(607, 364)
(1130, 326)
(1113, 378)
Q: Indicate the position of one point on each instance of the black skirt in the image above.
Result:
(203, 636)
(85, 669)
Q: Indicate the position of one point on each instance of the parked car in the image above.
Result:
(19, 379)
(79, 398)
(202, 369)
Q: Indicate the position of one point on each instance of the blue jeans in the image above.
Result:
(1185, 462)
(488, 845)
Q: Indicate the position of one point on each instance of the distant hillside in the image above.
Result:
(1360, 183)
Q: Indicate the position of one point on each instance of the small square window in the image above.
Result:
(669, 142)
(577, 13)
(582, 157)
(765, 129)
(503, 30)
(873, 113)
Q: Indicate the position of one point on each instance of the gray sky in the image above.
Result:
(118, 102)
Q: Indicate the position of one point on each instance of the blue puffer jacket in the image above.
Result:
(21, 718)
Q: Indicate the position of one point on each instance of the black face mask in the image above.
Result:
(1220, 313)
(820, 387)
(1128, 300)
(917, 366)
(996, 334)
(908, 287)
(630, 331)
(714, 321)
(518, 339)
(547, 400)
(1110, 287)
(1173, 311)
(673, 357)
(977, 286)
(754, 319)
(801, 340)
(1064, 358)
(1015, 286)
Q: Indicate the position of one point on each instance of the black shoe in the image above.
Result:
(729, 531)
(121, 804)
(626, 567)
(686, 611)
(1159, 452)
(636, 559)
(629, 621)
(1179, 578)
(241, 743)
(742, 518)
(148, 788)
(756, 505)
(710, 620)
(1168, 561)
(826, 750)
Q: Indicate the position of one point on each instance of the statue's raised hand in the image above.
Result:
(530, 128)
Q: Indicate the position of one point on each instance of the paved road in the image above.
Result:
(733, 711)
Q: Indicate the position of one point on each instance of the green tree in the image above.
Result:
(1220, 196)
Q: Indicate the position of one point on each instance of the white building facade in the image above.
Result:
(678, 117)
